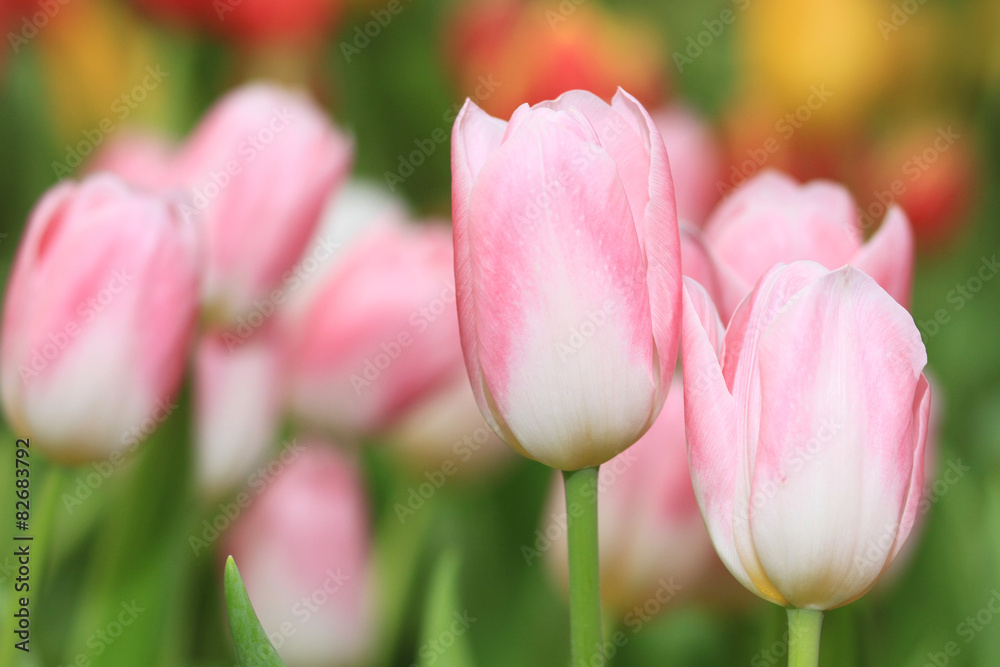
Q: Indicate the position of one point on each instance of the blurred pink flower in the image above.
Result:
(696, 160)
(98, 319)
(371, 277)
(239, 385)
(303, 549)
(380, 333)
(259, 170)
(254, 177)
(771, 218)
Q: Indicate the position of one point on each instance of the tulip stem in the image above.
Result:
(804, 627)
(586, 640)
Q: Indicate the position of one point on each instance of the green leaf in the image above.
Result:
(253, 648)
(445, 633)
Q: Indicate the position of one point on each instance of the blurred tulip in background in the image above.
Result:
(239, 388)
(380, 334)
(303, 546)
(252, 21)
(695, 158)
(258, 171)
(771, 219)
(98, 318)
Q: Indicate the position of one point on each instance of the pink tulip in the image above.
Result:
(259, 169)
(696, 160)
(354, 210)
(771, 219)
(650, 530)
(806, 430)
(567, 262)
(303, 549)
(381, 333)
(238, 385)
(98, 319)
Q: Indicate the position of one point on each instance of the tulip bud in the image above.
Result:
(303, 550)
(380, 334)
(238, 389)
(567, 262)
(259, 170)
(771, 219)
(806, 431)
(98, 318)
(650, 530)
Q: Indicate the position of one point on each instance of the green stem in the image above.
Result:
(586, 641)
(45, 518)
(803, 637)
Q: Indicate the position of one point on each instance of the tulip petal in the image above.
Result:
(922, 418)
(559, 291)
(710, 422)
(707, 314)
(836, 438)
(741, 372)
(888, 256)
(659, 236)
(475, 136)
(620, 139)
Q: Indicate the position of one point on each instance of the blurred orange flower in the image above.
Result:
(535, 51)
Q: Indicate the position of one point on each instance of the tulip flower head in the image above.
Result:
(771, 218)
(806, 422)
(255, 177)
(567, 266)
(258, 171)
(379, 334)
(98, 319)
